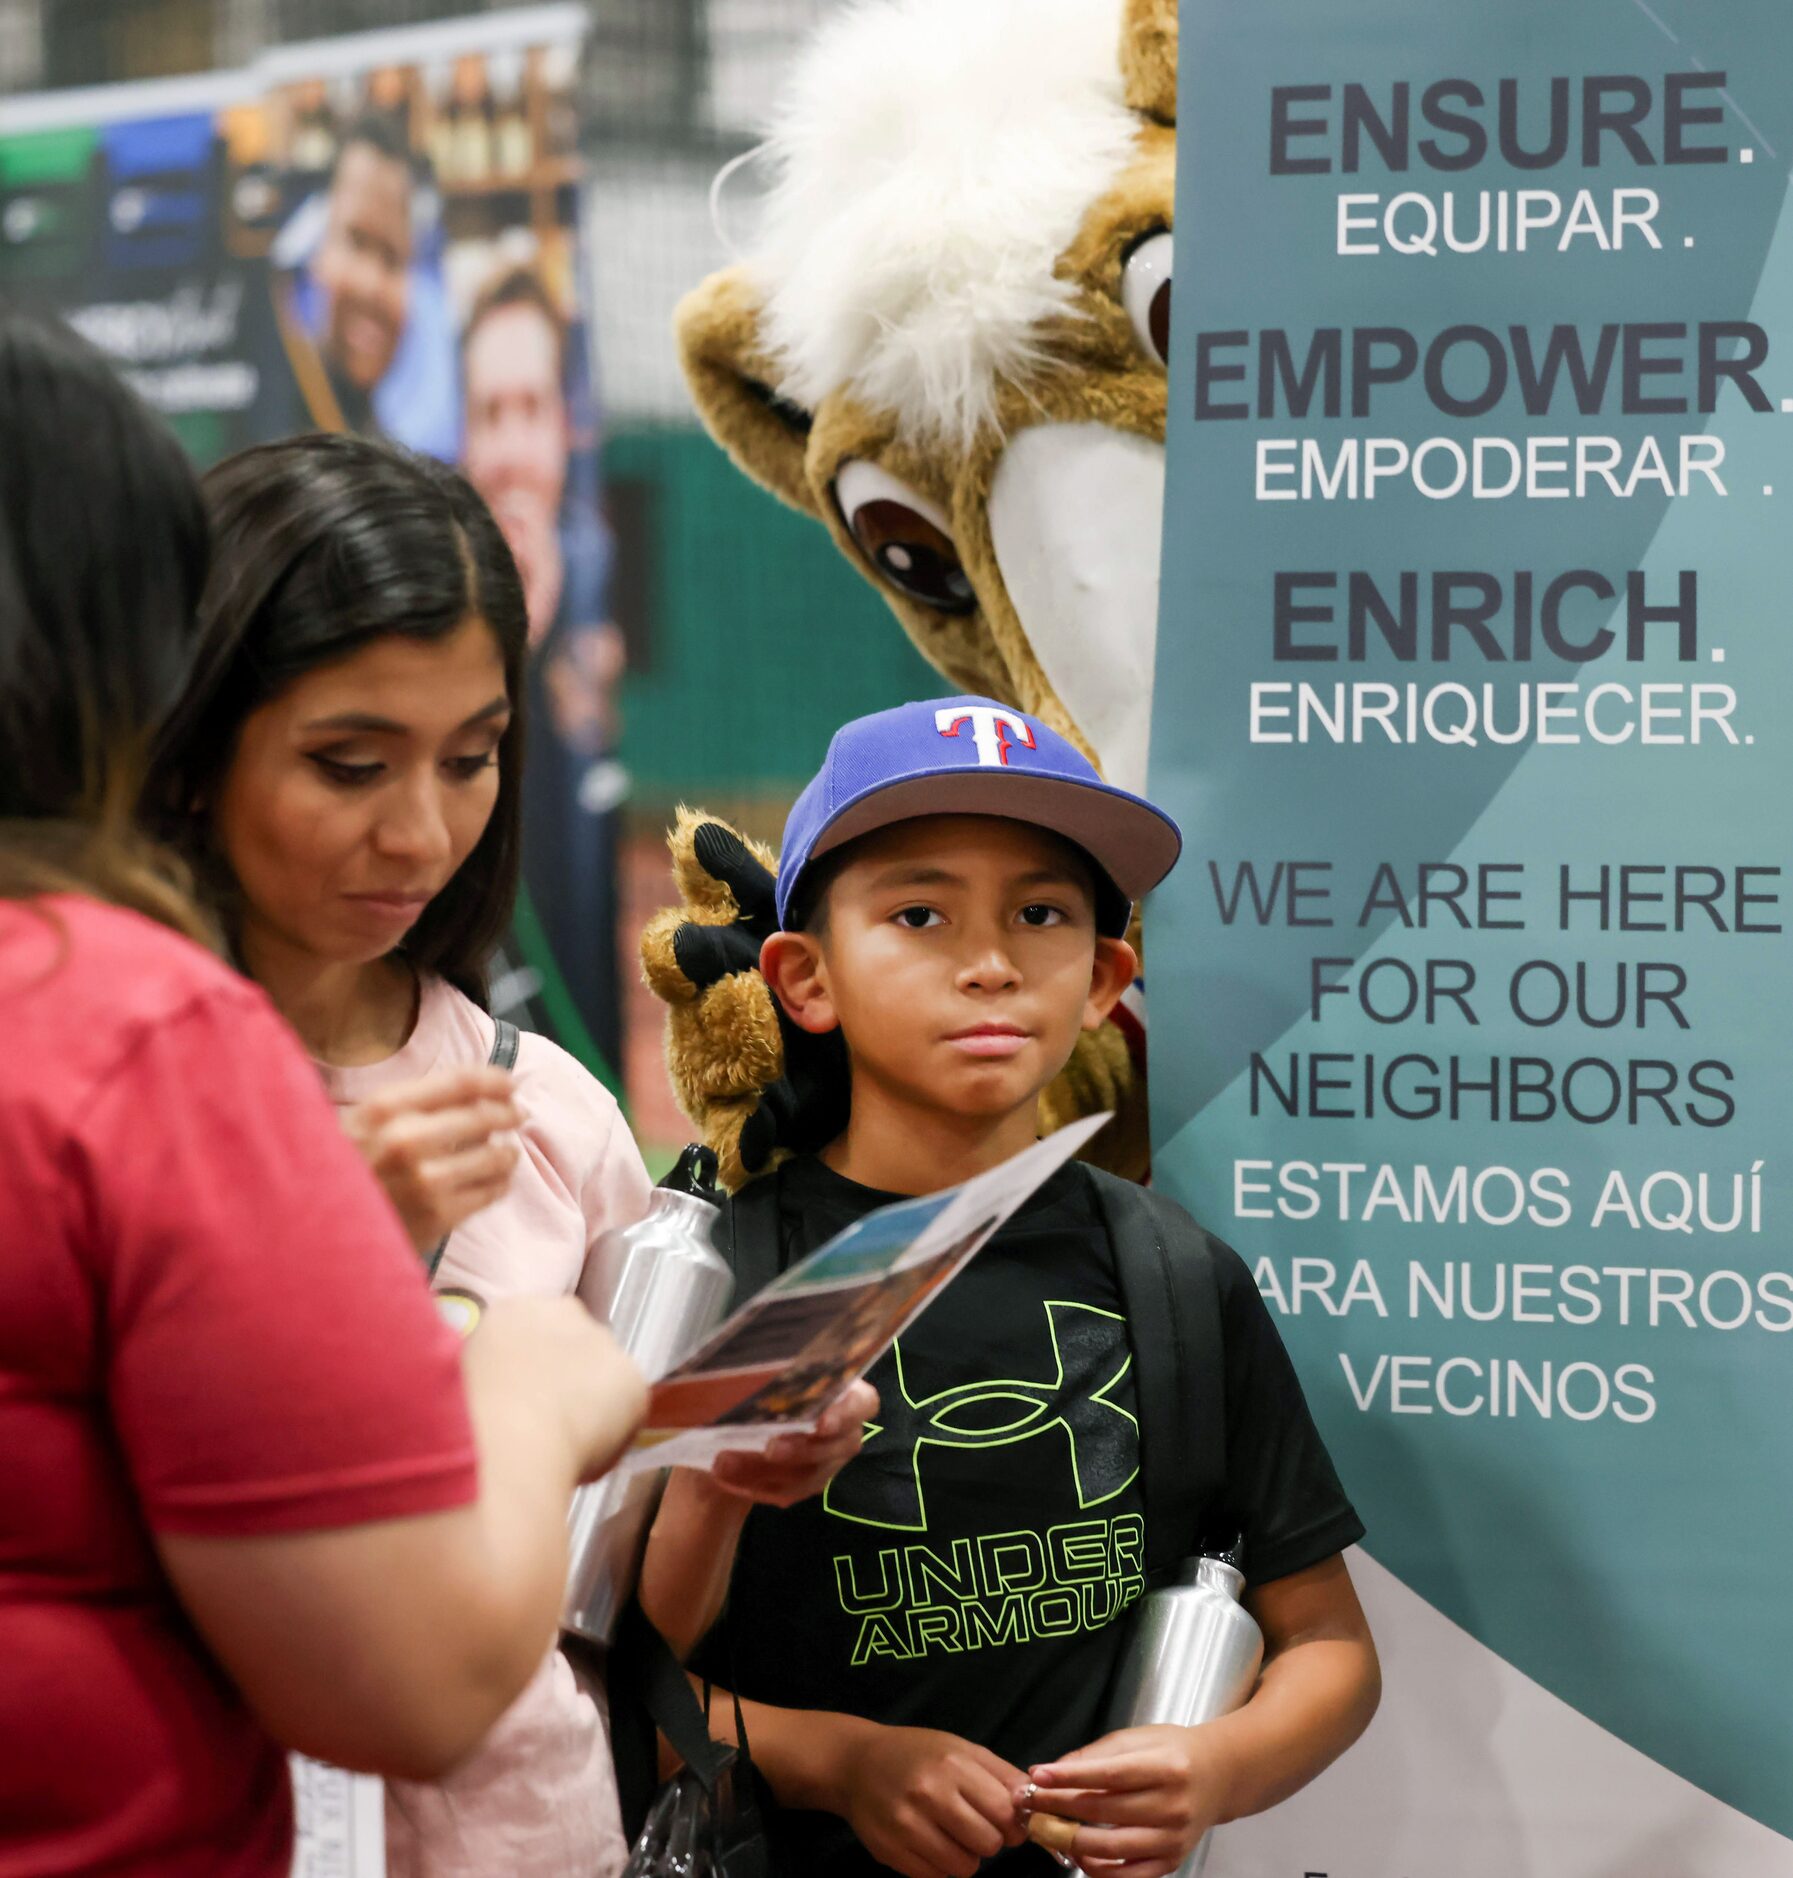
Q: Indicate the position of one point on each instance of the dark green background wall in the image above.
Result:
(760, 640)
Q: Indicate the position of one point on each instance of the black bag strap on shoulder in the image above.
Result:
(1165, 1265)
(756, 1246)
(506, 1040)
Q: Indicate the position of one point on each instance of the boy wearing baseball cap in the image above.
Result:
(925, 1652)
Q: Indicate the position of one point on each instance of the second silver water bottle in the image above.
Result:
(1192, 1655)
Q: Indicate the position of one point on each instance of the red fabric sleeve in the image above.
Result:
(276, 1364)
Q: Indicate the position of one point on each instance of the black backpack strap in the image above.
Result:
(506, 1039)
(755, 1244)
(1164, 1263)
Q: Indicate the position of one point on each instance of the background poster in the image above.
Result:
(116, 210)
(378, 233)
(1472, 665)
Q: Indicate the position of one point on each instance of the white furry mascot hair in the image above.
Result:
(946, 341)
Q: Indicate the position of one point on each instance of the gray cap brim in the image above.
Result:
(1135, 844)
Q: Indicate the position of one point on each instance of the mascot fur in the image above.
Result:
(947, 345)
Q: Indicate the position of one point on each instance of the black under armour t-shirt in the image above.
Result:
(964, 1571)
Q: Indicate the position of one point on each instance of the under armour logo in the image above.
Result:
(1090, 1357)
(994, 732)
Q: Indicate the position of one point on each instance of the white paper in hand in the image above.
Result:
(339, 1822)
(786, 1354)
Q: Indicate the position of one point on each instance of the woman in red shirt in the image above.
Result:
(252, 1492)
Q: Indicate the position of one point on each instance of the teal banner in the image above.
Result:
(1466, 1000)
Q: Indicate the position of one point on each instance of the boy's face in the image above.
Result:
(959, 956)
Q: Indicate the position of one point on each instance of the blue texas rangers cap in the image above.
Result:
(973, 756)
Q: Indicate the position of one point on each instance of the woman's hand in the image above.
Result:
(1143, 1797)
(928, 1804)
(551, 1359)
(796, 1467)
(439, 1146)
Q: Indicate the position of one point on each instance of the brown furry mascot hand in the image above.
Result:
(754, 1085)
(748, 1079)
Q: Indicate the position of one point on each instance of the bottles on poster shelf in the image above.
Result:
(347, 102)
(389, 93)
(513, 142)
(471, 140)
(313, 144)
(481, 123)
(506, 120)
(557, 72)
(438, 85)
(256, 202)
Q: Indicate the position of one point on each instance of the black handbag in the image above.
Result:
(706, 1822)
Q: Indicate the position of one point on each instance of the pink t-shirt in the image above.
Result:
(538, 1797)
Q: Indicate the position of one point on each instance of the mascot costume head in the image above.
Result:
(947, 344)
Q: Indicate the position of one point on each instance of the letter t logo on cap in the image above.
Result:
(990, 730)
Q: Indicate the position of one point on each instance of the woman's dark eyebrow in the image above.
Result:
(361, 723)
(357, 722)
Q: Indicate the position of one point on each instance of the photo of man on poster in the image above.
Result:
(517, 452)
(343, 316)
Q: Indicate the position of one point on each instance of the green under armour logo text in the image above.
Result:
(1001, 1587)
(1067, 1408)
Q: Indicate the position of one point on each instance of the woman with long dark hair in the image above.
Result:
(344, 773)
(253, 1493)
(342, 776)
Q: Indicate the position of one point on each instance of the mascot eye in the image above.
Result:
(1145, 288)
(905, 536)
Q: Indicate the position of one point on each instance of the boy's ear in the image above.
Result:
(731, 378)
(1117, 965)
(791, 964)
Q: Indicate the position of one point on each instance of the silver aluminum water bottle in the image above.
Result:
(662, 1288)
(1193, 1655)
